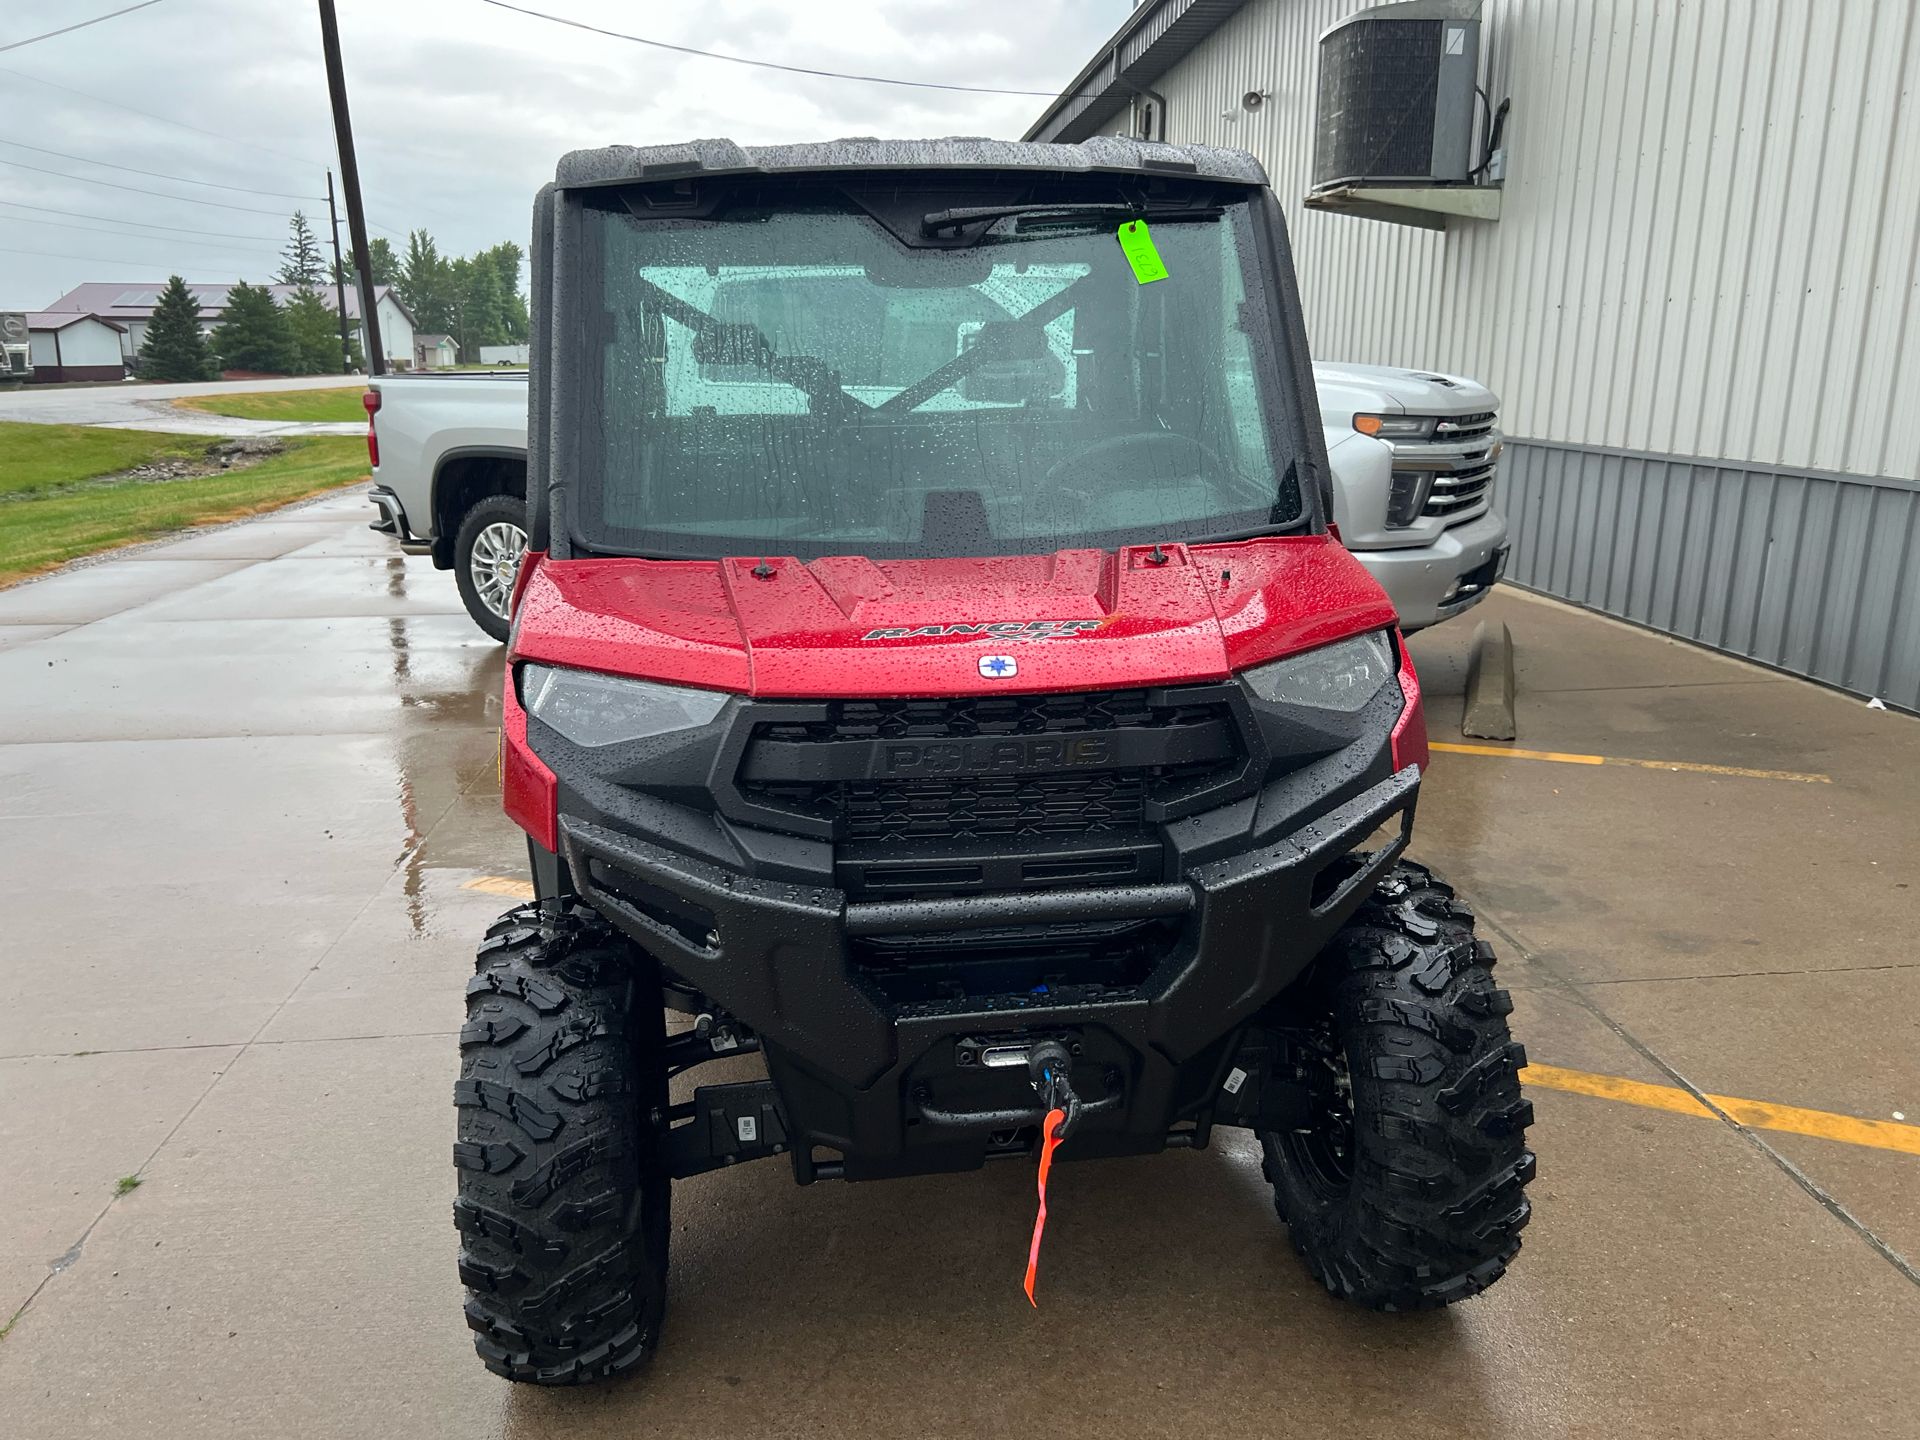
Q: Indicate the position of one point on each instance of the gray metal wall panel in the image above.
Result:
(1814, 573)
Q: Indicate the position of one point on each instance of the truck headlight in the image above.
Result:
(1342, 676)
(1396, 427)
(593, 709)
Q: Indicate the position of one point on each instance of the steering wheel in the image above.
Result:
(1102, 453)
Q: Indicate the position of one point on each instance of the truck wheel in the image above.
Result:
(1406, 1189)
(486, 556)
(563, 1196)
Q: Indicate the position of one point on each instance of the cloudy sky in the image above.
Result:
(459, 109)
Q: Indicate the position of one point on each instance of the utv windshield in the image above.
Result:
(793, 378)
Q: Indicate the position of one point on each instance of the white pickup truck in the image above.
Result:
(1413, 457)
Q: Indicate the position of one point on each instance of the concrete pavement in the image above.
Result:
(133, 406)
(246, 779)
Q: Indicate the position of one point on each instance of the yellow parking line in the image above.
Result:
(1509, 753)
(1692, 767)
(1756, 1114)
(500, 885)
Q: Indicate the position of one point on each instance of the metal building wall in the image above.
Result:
(1707, 265)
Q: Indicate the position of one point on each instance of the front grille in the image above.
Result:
(1456, 493)
(1462, 488)
(1462, 427)
(967, 742)
(1039, 807)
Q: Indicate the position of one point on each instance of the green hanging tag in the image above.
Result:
(1137, 243)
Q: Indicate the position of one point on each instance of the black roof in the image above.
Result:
(625, 164)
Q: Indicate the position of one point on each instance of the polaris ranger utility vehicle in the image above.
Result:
(932, 670)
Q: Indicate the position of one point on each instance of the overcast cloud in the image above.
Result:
(459, 108)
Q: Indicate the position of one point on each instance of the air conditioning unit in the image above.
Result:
(1394, 129)
(1396, 108)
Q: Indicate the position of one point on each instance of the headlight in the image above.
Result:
(1395, 427)
(1342, 676)
(591, 709)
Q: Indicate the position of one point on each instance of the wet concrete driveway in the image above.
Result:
(246, 781)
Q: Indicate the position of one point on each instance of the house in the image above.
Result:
(435, 352)
(67, 345)
(131, 307)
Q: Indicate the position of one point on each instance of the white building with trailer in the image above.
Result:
(1682, 243)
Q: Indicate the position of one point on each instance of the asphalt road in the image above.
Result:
(246, 797)
(133, 406)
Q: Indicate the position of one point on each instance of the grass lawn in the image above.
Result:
(38, 457)
(335, 403)
(43, 530)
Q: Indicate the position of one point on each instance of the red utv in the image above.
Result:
(934, 671)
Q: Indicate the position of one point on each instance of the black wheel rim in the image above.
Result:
(1321, 1153)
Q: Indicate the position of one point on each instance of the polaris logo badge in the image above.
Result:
(999, 667)
(997, 629)
(996, 757)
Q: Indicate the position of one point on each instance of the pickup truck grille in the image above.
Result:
(1460, 493)
(1463, 427)
(1460, 455)
(988, 768)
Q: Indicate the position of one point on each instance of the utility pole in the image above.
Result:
(350, 180)
(339, 281)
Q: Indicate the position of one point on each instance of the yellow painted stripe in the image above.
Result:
(500, 885)
(1560, 757)
(1798, 776)
(1756, 1114)
(1507, 752)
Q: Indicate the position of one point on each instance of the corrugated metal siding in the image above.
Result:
(1815, 573)
(1710, 239)
(1700, 305)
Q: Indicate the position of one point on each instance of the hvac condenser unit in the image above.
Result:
(1396, 109)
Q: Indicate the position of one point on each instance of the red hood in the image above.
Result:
(848, 626)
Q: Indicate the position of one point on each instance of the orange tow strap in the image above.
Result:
(1051, 1131)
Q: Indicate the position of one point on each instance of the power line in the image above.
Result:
(125, 235)
(89, 259)
(183, 125)
(142, 224)
(765, 64)
(157, 174)
(81, 25)
(116, 185)
(163, 119)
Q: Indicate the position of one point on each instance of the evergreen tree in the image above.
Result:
(304, 264)
(385, 264)
(174, 348)
(253, 334)
(425, 282)
(315, 332)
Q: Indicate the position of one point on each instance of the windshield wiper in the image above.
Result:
(957, 220)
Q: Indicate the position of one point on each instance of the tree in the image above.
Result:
(304, 264)
(253, 334)
(174, 348)
(315, 332)
(385, 264)
(505, 258)
(425, 282)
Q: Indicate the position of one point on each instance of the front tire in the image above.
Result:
(486, 557)
(1406, 1190)
(563, 1197)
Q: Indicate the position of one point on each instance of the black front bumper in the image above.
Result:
(897, 1088)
